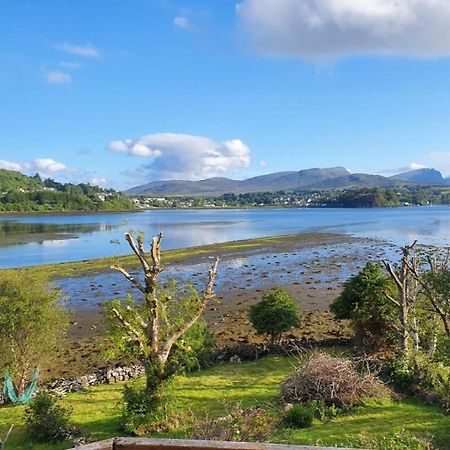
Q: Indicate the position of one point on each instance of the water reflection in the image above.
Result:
(91, 236)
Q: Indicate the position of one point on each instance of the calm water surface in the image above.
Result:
(51, 239)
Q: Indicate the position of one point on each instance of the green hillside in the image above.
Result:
(21, 193)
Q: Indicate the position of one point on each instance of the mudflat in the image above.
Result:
(312, 267)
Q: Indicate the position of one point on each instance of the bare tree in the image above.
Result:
(435, 283)
(405, 301)
(149, 332)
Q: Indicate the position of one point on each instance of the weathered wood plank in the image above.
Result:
(101, 445)
(177, 444)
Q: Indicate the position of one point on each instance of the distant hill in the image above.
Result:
(308, 179)
(218, 186)
(423, 176)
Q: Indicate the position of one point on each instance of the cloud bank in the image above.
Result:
(184, 156)
(326, 29)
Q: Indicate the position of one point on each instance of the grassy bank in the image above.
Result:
(96, 412)
(99, 265)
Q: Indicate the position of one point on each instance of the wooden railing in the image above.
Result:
(176, 444)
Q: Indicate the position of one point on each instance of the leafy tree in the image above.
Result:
(364, 302)
(32, 323)
(152, 329)
(275, 314)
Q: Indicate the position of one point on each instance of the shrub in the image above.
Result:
(299, 416)
(246, 425)
(333, 380)
(401, 440)
(138, 407)
(372, 315)
(194, 351)
(45, 419)
(324, 412)
(275, 314)
(422, 376)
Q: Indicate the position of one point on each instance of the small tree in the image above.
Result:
(275, 314)
(149, 330)
(32, 323)
(364, 302)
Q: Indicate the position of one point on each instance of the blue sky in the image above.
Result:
(123, 92)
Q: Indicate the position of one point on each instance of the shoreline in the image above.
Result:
(173, 256)
(311, 267)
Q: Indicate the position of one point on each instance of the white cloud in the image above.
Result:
(402, 169)
(322, 29)
(9, 165)
(44, 166)
(262, 164)
(56, 77)
(183, 23)
(87, 50)
(185, 156)
(49, 168)
(98, 181)
(69, 65)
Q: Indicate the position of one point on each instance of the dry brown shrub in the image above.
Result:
(334, 380)
(254, 424)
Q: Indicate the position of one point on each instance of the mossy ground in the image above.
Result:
(212, 391)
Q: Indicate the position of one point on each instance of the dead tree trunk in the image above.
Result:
(154, 343)
(406, 299)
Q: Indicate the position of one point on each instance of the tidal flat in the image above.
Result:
(311, 266)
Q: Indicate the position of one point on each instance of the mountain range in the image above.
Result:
(307, 180)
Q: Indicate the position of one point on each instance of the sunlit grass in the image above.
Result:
(213, 390)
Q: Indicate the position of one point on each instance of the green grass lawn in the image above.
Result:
(97, 411)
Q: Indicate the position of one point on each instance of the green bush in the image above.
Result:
(401, 440)
(275, 314)
(372, 315)
(194, 351)
(299, 416)
(138, 407)
(45, 419)
(322, 411)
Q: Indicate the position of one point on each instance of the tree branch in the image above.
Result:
(131, 330)
(138, 253)
(130, 278)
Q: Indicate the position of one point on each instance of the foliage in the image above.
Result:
(422, 376)
(194, 350)
(154, 331)
(19, 192)
(139, 407)
(275, 314)
(240, 424)
(372, 315)
(32, 323)
(299, 416)
(253, 383)
(401, 440)
(46, 419)
(324, 412)
(333, 380)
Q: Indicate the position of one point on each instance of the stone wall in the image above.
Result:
(63, 386)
